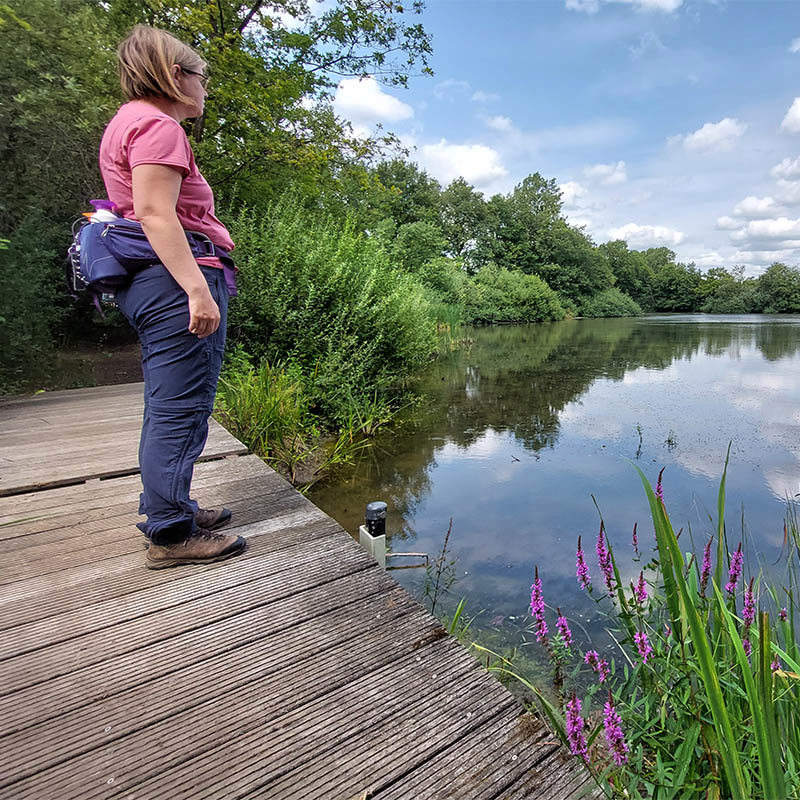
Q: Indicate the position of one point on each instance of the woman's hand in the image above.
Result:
(203, 314)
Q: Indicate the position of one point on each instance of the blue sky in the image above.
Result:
(665, 122)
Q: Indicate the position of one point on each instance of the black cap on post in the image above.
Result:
(375, 518)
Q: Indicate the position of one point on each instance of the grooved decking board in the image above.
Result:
(79, 435)
(298, 669)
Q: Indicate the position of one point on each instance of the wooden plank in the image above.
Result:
(47, 650)
(343, 607)
(138, 734)
(437, 690)
(25, 472)
(70, 527)
(98, 493)
(100, 601)
(120, 537)
(480, 766)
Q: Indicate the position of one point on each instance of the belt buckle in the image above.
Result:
(206, 241)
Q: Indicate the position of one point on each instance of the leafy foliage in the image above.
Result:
(611, 303)
(316, 293)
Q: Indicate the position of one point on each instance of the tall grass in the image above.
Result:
(702, 700)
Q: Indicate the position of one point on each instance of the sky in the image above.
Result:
(664, 122)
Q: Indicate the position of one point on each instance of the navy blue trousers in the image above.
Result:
(180, 381)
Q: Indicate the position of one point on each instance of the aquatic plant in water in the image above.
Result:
(703, 702)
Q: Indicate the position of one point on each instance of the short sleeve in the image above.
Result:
(158, 140)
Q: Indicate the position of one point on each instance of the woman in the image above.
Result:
(178, 307)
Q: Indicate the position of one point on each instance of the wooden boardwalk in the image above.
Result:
(298, 670)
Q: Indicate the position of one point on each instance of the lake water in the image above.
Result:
(518, 430)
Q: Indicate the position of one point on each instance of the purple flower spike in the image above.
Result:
(775, 665)
(705, 572)
(615, 738)
(537, 609)
(735, 571)
(598, 665)
(748, 648)
(640, 592)
(563, 629)
(604, 559)
(643, 645)
(635, 540)
(749, 609)
(575, 726)
(783, 614)
(581, 570)
(659, 487)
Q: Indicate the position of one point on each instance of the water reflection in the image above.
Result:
(517, 431)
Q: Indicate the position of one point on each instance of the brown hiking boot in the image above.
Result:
(202, 547)
(212, 519)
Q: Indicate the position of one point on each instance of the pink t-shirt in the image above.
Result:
(139, 133)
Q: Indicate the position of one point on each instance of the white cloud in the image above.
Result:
(593, 6)
(587, 6)
(729, 224)
(791, 122)
(648, 42)
(712, 136)
(571, 191)
(609, 174)
(500, 123)
(788, 193)
(794, 47)
(446, 89)
(789, 169)
(781, 229)
(484, 97)
(476, 163)
(642, 236)
(756, 208)
(363, 101)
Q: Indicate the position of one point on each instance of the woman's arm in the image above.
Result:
(155, 195)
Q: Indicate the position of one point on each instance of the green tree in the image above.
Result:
(779, 289)
(417, 243)
(463, 218)
(409, 193)
(630, 267)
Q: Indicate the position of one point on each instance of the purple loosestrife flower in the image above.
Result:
(640, 592)
(615, 738)
(581, 570)
(783, 614)
(563, 629)
(537, 609)
(643, 645)
(735, 571)
(775, 665)
(598, 665)
(604, 559)
(705, 572)
(659, 487)
(575, 725)
(748, 648)
(635, 539)
(749, 609)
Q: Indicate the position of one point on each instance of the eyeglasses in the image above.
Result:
(203, 77)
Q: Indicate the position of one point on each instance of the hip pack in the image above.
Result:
(104, 256)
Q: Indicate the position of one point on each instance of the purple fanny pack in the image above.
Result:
(106, 255)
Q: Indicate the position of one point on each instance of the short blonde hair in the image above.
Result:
(145, 60)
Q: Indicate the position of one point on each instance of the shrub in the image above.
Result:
(315, 293)
(498, 295)
(611, 303)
